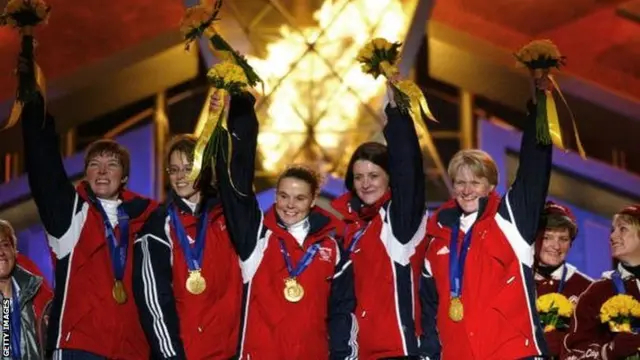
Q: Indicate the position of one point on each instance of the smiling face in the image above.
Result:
(8, 253)
(179, 169)
(469, 188)
(294, 200)
(555, 246)
(105, 175)
(370, 181)
(625, 240)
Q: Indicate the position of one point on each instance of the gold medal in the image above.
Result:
(196, 283)
(293, 291)
(119, 293)
(456, 310)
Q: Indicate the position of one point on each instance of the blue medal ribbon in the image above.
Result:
(303, 264)
(563, 279)
(193, 254)
(356, 238)
(456, 261)
(118, 249)
(16, 323)
(618, 283)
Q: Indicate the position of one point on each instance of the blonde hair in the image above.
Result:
(6, 230)
(479, 162)
(633, 221)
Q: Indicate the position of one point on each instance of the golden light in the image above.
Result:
(318, 105)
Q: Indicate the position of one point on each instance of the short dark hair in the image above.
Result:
(304, 173)
(108, 147)
(372, 151)
(555, 221)
(186, 144)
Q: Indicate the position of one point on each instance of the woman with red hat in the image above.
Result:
(553, 275)
(596, 332)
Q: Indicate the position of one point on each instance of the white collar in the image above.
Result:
(111, 209)
(190, 204)
(466, 221)
(300, 230)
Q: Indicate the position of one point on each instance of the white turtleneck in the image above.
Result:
(190, 204)
(111, 209)
(300, 230)
(466, 221)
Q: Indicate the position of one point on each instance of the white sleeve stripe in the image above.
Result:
(62, 246)
(397, 251)
(342, 270)
(250, 266)
(353, 339)
(151, 300)
(145, 237)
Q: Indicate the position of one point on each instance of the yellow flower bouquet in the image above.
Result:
(24, 15)
(381, 57)
(619, 311)
(198, 20)
(226, 78)
(540, 57)
(555, 310)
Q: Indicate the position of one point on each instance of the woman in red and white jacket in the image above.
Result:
(384, 211)
(481, 254)
(558, 230)
(298, 285)
(187, 281)
(589, 337)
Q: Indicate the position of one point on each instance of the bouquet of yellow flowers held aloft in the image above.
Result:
(226, 78)
(381, 57)
(540, 56)
(619, 311)
(24, 15)
(555, 310)
(198, 20)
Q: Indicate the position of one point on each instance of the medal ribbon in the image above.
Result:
(303, 264)
(563, 279)
(192, 254)
(118, 249)
(356, 238)
(456, 261)
(16, 330)
(617, 282)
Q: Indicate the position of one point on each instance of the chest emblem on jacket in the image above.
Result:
(325, 254)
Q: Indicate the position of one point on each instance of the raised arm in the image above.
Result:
(406, 174)
(51, 189)
(430, 347)
(153, 290)
(343, 327)
(528, 193)
(241, 209)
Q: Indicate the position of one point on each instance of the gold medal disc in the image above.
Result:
(196, 283)
(119, 293)
(293, 291)
(456, 310)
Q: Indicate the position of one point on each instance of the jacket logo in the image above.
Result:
(443, 251)
(325, 254)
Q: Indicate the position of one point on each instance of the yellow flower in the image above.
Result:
(194, 17)
(619, 309)
(549, 328)
(228, 73)
(388, 70)
(381, 43)
(366, 53)
(38, 7)
(539, 50)
(555, 302)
